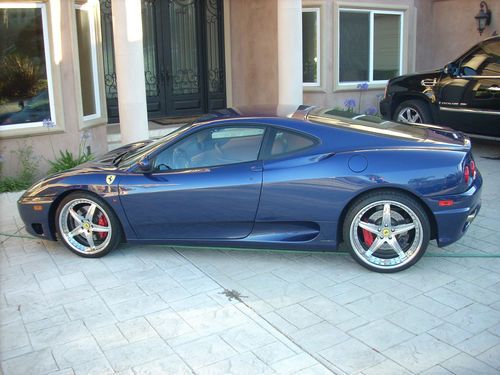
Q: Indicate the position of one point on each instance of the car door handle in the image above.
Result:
(256, 168)
(494, 88)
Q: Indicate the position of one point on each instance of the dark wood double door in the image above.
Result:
(184, 71)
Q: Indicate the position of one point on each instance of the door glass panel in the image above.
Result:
(210, 147)
(212, 21)
(354, 46)
(85, 32)
(484, 61)
(386, 46)
(184, 49)
(149, 46)
(108, 50)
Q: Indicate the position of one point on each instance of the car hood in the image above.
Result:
(415, 79)
(103, 164)
(111, 155)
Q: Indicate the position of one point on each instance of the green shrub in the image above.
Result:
(27, 169)
(20, 78)
(67, 160)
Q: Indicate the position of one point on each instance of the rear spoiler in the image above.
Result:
(448, 133)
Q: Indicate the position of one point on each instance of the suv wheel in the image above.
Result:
(413, 111)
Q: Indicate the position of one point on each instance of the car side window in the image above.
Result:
(285, 142)
(212, 147)
(485, 61)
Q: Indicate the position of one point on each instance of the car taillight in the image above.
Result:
(466, 174)
(472, 169)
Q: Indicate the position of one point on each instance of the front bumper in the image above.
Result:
(385, 108)
(35, 213)
(453, 222)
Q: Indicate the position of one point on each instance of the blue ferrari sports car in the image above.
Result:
(260, 178)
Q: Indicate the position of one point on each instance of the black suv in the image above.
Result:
(464, 95)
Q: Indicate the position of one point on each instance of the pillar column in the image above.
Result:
(290, 52)
(129, 64)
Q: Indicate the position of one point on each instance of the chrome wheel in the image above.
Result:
(386, 234)
(409, 115)
(85, 226)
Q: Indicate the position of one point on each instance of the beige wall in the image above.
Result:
(70, 137)
(447, 28)
(328, 94)
(254, 50)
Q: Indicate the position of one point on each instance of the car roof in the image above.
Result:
(255, 111)
(295, 112)
(306, 118)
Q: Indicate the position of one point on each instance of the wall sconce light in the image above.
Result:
(483, 18)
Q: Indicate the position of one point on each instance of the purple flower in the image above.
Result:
(85, 135)
(371, 111)
(350, 103)
(48, 123)
(363, 86)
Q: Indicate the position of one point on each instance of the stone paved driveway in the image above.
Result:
(163, 310)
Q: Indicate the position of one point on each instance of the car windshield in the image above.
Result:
(135, 156)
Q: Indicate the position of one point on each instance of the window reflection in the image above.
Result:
(87, 58)
(310, 45)
(24, 95)
(369, 45)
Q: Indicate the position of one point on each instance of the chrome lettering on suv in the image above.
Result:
(428, 82)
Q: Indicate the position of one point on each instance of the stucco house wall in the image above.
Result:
(254, 46)
(329, 94)
(447, 28)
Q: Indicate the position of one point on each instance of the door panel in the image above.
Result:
(183, 44)
(214, 43)
(203, 203)
(151, 29)
(184, 57)
(471, 100)
(471, 105)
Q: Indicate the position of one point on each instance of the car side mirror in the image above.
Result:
(145, 165)
(451, 69)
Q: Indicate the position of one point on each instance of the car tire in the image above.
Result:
(413, 111)
(87, 225)
(386, 231)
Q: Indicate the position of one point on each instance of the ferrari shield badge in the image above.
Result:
(110, 178)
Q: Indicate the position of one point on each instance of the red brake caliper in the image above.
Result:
(104, 223)
(367, 237)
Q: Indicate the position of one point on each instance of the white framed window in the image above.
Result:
(26, 79)
(369, 46)
(86, 35)
(311, 47)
